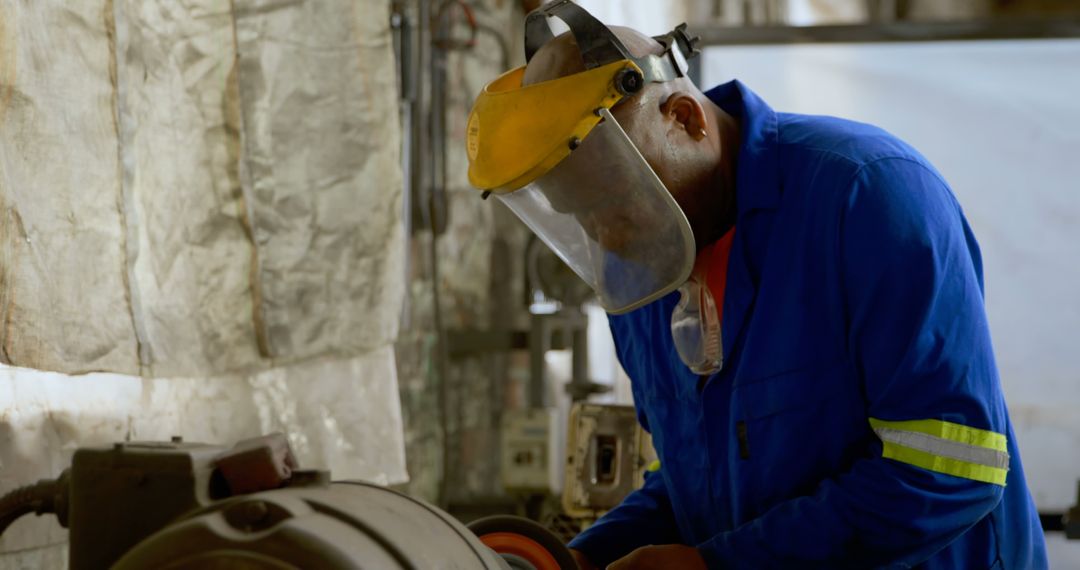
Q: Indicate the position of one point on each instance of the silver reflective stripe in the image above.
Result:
(945, 447)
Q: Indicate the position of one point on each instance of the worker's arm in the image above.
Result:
(917, 335)
(644, 517)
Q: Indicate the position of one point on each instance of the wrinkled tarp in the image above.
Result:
(141, 148)
(321, 149)
(190, 261)
(213, 308)
(63, 291)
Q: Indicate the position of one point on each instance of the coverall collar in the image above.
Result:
(757, 183)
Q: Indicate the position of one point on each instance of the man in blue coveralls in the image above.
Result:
(798, 301)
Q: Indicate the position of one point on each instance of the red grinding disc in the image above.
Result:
(518, 545)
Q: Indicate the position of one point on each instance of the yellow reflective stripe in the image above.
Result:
(946, 465)
(654, 466)
(946, 447)
(948, 430)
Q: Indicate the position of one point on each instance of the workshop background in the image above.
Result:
(223, 218)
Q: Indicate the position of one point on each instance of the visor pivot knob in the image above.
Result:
(629, 81)
(574, 143)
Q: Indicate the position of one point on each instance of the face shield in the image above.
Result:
(557, 157)
(605, 213)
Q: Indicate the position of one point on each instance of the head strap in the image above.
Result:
(600, 46)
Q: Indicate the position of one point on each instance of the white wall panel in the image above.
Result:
(1002, 123)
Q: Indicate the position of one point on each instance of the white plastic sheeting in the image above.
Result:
(189, 260)
(322, 178)
(1002, 123)
(340, 415)
(199, 234)
(59, 197)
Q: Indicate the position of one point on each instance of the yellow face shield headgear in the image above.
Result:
(557, 157)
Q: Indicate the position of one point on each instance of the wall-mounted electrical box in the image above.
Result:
(607, 455)
(531, 461)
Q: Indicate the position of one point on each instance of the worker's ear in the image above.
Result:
(687, 112)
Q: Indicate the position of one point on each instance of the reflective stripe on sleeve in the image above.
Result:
(945, 447)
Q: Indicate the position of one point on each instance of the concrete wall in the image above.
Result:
(479, 285)
(200, 233)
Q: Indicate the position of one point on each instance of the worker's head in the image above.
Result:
(609, 153)
(667, 122)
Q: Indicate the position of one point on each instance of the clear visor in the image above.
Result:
(606, 214)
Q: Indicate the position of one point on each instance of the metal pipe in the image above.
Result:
(898, 31)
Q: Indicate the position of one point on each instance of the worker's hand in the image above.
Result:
(661, 558)
(582, 562)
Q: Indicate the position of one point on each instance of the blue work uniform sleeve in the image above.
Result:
(917, 336)
(644, 517)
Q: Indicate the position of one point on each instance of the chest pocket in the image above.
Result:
(803, 387)
(791, 430)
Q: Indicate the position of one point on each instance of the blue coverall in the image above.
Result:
(858, 420)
